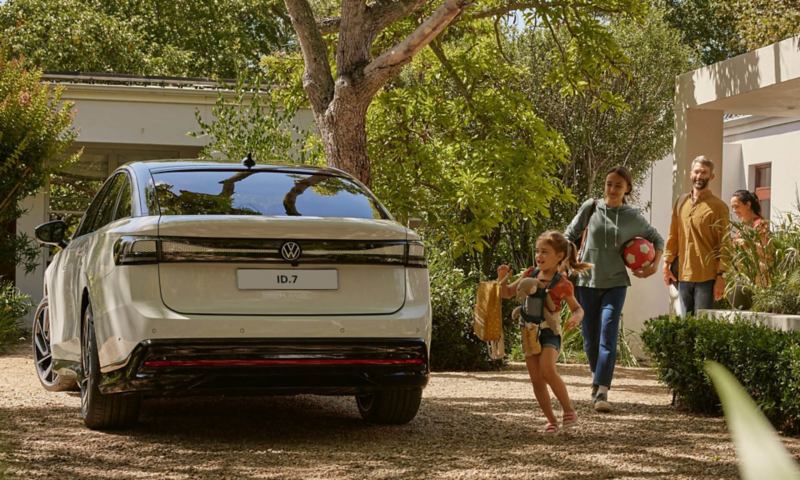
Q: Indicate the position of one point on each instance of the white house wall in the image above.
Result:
(648, 298)
(767, 140)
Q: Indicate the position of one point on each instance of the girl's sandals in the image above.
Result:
(551, 428)
(570, 419)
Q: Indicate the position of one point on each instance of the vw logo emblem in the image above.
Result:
(290, 251)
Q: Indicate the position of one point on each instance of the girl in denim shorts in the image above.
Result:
(554, 254)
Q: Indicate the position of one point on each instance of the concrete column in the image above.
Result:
(697, 132)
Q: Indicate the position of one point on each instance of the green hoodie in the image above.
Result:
(610, 228)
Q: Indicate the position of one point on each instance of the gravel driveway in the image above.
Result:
(471, 425)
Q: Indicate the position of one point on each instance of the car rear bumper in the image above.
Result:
(354, 366)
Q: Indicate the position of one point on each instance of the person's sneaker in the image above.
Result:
(594, 393)
(601, 403)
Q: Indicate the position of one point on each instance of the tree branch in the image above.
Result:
(317, 78)
(352, 50)
(499, 42)
(451, 72)
(390, 61)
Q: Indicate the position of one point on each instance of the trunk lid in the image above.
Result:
(207, 259)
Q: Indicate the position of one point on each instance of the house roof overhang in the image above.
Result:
(763, 82)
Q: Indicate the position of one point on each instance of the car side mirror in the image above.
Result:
(52, 233)
(414, 223)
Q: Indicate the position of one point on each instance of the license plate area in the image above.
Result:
(294, 279)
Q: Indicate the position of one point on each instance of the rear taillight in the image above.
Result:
(136, 250)
(416, 255)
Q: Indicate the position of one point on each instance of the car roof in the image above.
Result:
(170, 165)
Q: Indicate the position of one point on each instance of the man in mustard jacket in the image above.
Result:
(696, 234)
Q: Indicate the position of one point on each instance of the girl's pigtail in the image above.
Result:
(579, 268)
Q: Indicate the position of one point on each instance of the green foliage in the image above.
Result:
(157, 37)
(709, 33)
(465, 159)
(13, 306)
(19, 250)
(586, 49)
(762, 359)
(254, 118)
(636, 136)
(35, 128)
(760, 23)
(761, 452)
(767, 264)
(722, 29)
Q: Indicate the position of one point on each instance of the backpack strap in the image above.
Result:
(556, 278)
(586, 229)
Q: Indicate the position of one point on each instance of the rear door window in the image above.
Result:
(275, 193)
(124, 204)
(91, 212)
(106, 212)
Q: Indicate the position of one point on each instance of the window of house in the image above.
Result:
(764, 188)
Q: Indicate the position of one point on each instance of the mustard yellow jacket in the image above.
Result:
(696, 235)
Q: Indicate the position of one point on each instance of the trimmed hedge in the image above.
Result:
(765, 361)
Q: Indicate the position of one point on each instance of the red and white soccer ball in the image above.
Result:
(638, 253)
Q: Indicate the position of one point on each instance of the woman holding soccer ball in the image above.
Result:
(610, 227)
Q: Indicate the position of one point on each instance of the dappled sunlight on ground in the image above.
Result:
(471, 425)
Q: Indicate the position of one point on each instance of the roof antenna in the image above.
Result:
(249, 162)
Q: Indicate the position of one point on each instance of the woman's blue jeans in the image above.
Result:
(602, 308)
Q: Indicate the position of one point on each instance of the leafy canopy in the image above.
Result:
(196, 38)
(459, 144)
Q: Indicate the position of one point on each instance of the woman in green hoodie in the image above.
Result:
(601, 292)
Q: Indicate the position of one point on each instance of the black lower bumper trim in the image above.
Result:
(271, 366)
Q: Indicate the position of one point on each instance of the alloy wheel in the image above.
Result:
(86, 363)
(42, 354)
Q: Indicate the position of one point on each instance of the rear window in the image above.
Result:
(218, 192)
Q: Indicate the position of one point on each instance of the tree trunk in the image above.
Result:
(343, 127)
(340, 103)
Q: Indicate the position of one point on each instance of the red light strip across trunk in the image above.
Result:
(301, 361)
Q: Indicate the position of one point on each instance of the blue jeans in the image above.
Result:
(696, 295)
(602, 308)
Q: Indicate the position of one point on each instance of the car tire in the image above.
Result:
(43, 353)
(101, 412)
(390, 407)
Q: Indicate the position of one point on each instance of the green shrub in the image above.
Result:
(765, 361)
(13, 306)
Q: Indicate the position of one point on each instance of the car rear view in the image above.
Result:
(269, 280)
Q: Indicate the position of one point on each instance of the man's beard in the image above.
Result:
(701, 183)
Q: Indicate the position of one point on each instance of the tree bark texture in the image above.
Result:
(340, 105)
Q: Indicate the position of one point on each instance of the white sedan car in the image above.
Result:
(189, 278)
